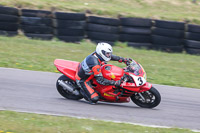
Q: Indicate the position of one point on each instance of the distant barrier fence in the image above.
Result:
(170, 36)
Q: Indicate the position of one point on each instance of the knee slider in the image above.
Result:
(95, 99)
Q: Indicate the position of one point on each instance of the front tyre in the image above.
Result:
(150, 98)
(64, 92)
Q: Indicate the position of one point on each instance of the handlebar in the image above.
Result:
(127, 63)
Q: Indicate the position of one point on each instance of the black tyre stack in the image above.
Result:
(101, 29)
(136, 31)
(37, 24)
(192, 42)
(69, 27)
(9, 21)
(168, 36)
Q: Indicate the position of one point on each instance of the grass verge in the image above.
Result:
(176, 69)
(13, 122)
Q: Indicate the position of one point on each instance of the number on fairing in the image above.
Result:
(140, 81)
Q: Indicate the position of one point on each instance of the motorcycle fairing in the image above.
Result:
(107, 92)
(147, 86)
(67, 67)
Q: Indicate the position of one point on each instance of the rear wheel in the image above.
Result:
(64, 92)
(151, 98)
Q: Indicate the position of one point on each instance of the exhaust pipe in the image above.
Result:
(68, 87)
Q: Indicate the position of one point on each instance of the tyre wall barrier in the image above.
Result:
(36, 24)
(9, 21)
(100, 29)
(69, 27)
(192, 41)
(170, 36)
(136, 32)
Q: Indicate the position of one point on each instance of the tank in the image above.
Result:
(112, 72)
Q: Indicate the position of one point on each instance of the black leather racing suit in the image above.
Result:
(90, 66)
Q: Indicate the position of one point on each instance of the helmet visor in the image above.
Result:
(107, 54)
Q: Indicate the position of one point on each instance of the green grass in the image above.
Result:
(176, 69)
(179, 10)
(13, 122)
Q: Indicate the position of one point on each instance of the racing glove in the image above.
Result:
(127, 61)
(101, 80)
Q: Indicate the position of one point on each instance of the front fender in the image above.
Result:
(147, 86)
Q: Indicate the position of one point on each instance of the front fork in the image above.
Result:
(143, 99)
(147, 86)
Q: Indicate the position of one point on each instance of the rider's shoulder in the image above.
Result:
(91, 59)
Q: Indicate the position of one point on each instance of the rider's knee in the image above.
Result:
(95, 99)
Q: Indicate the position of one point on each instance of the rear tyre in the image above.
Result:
(152, 98)
(65, 93)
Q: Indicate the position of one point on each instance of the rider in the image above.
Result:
(90, 68)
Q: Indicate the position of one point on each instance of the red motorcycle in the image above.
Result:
(134, 85)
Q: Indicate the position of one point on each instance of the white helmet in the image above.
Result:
(104, 50)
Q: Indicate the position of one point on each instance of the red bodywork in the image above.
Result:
(108, 93)
(67, 67)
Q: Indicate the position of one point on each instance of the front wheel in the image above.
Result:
(147, 99)
(63, 91)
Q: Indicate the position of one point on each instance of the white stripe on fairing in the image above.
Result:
(55, 114)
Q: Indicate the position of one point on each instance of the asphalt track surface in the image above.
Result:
(33, 91)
